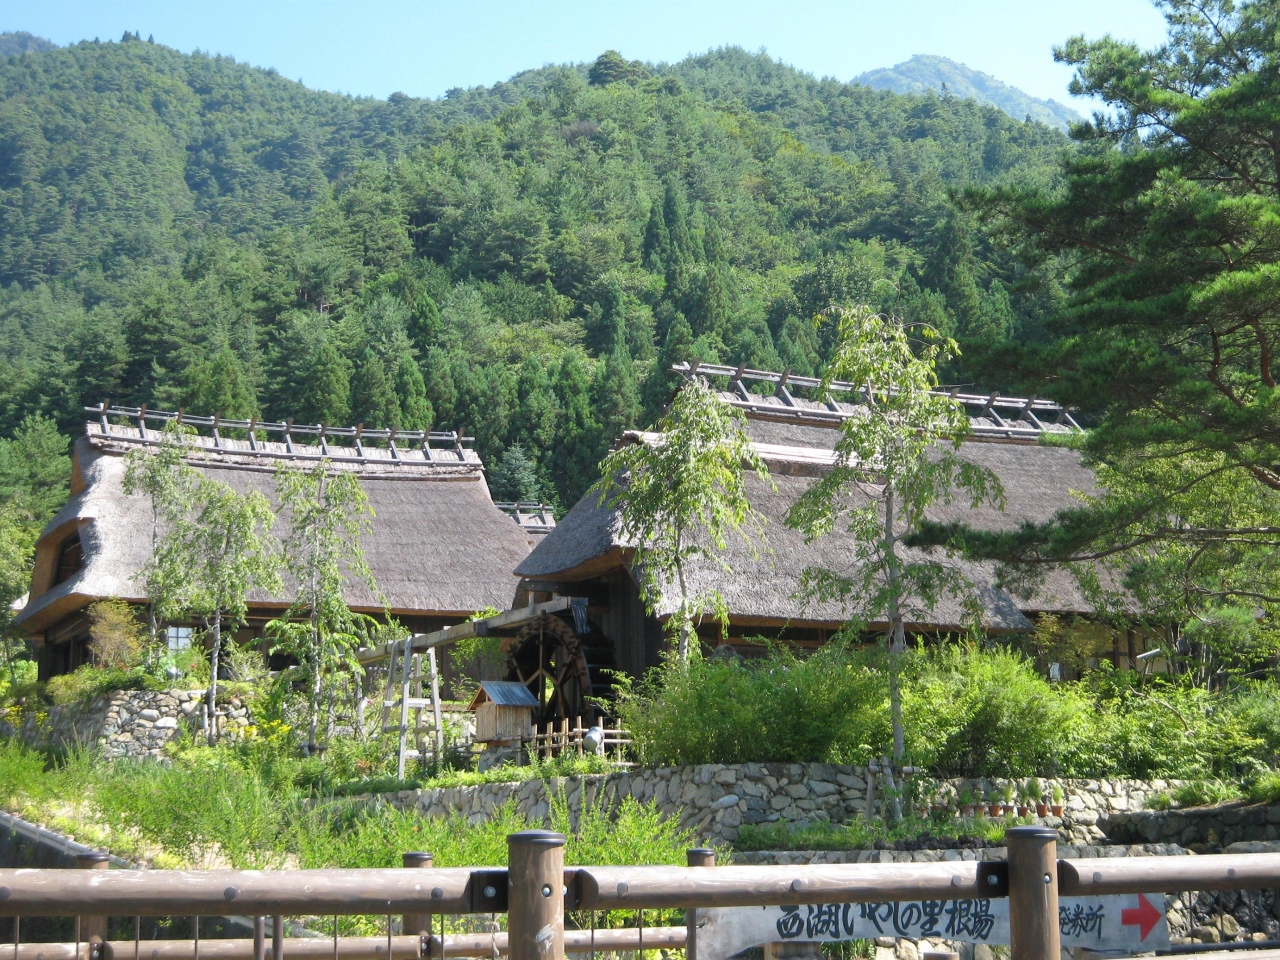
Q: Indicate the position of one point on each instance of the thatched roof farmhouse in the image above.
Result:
(439, 548)
(585, 557)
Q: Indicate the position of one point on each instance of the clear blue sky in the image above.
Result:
(423, 48)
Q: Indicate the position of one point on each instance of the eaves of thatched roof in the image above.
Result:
(764, 584)
(438, 545)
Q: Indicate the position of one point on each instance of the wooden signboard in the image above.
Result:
(1133, 924)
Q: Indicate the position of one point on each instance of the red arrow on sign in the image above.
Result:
(1144, 916)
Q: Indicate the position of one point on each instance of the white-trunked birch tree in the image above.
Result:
(328, 514)
(216, 547)
(892, 462)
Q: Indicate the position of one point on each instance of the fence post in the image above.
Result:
(1033, 893)
(417, 923)
(535, 895)
(91, 927)
(696, 857)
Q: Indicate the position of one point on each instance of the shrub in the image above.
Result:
(1256, 709)
(831, 706)
(88, 681)
(1265, 788)
(115, 634)
(967, 711)
(1160, 728)
(972, 712)
(1204, 793)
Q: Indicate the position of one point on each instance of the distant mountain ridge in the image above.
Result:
(19, 41)
(924, 72)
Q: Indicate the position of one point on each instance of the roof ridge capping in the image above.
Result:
(991, 416)
(411, 449)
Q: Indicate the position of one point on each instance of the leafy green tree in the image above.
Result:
(165, 478)
(892, 463)
(328, 513)
(17, 547)
(215, 549)
(678, 496)
(220, 385)
(610, 67)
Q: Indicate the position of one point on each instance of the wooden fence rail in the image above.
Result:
(536, 891)
(346, 948)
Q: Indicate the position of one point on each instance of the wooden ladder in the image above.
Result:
(405, 692)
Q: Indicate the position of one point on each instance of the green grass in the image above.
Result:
(860, 834)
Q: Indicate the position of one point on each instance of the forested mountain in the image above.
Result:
(923, 72)
(521, 261)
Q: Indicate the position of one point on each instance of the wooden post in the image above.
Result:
(695, 857)
(1033, 893)
(277, 937)
(535, 895)
(259, 938)
(417, 923)
(92, 928)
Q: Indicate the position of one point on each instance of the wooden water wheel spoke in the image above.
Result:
(547, 658)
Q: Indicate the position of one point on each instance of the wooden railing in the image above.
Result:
(536, 890)
(567, 737)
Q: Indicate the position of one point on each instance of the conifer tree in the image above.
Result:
(574, 466)
(535, 419)
(326, 388)
(219, 385)
(442, 391)
(515, 477)
(617, 397)
(657, 241)
(411, 391)
(661, 383)
(373, 397)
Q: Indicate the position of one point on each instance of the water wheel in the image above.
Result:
(560, 668)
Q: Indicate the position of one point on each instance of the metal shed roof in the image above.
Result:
(505, 693)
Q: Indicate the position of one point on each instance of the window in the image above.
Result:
(70, 559)
(179, 638)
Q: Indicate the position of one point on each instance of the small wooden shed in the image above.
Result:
(504, 711)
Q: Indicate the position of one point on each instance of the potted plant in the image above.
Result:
(1056, 794)
(1007, 792)
(1024, 798)
(1036, 789)
(967, 801)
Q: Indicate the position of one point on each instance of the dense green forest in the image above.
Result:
(521, 261)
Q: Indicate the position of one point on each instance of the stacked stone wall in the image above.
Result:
(716, 800)
(121, 723)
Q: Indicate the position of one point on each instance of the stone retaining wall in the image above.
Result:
(715, 800)
(1206, 829)
(122, 723)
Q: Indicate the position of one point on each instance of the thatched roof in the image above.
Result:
(1038, 480)
(438, 545)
